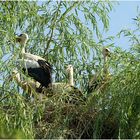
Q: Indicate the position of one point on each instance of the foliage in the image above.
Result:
(68, 33)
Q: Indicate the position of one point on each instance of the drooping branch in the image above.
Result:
(68, 10)
(52, 28)
(55, 21)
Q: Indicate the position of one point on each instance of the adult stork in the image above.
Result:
(99, 79)
(35, 66)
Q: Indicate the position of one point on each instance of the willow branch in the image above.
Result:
(68, 10)
(53, 27)
(55, 19)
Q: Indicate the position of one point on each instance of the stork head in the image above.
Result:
(22, 38)
(69, 69)
(106, 52)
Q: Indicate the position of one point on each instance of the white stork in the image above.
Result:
(70, 93)
(37, 67)
(99, 79)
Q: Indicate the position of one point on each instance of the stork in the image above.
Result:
(56, 86)
(68, 91)
(36, 67)
(99, 79)
(71, 93)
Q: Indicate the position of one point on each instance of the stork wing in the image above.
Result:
(32, 57)
(25, 63)
(45, 65)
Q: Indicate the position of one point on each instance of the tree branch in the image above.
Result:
(68, 10)
(53, 27)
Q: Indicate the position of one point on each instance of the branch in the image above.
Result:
(53, 27)
(55, 19)
(68, 10)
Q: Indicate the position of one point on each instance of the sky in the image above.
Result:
(120, 18)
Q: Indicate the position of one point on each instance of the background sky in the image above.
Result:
(120, 18)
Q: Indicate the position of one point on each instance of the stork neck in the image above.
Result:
(105, 70)
(105, 59)
(71, 82)
(23, 49)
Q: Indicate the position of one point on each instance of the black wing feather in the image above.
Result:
(43, 74)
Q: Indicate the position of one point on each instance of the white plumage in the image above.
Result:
(66, 91)
(70, 93)
(32, 57)
(25, 63)
(69, 71)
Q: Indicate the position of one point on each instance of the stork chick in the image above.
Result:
(99, 79)
(68, 90)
